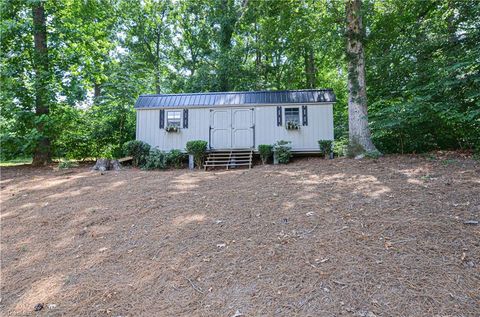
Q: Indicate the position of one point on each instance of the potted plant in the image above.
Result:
(292, 125)
(172, 128)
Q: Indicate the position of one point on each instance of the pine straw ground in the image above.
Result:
(315, 238)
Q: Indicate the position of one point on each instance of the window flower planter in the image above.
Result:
(172, 129)
(292, 125)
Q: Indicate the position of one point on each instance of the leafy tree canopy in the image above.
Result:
(422, 66)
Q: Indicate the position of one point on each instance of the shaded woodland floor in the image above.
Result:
(314, 238)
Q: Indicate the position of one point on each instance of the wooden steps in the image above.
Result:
(229, 159)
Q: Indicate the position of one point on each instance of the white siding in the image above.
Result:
(148, 129)
(320, 126)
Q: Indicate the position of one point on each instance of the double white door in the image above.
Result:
(231, 128)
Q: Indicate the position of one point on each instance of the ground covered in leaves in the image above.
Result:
(386, 237)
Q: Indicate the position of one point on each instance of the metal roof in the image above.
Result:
(218, 99)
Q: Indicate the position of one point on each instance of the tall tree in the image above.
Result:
(147, 30)
(42, 152)
(357, 89)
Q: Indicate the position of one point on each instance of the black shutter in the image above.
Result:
(304, 115)
(162, 119)
(185, 118)
(279, 116)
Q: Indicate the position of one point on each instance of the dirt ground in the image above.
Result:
(317, 237)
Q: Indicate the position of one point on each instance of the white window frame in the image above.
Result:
(180, 121)
(285, 115)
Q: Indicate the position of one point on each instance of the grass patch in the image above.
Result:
(16, 161)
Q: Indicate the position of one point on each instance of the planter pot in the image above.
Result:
(191, 162)
(275, 159)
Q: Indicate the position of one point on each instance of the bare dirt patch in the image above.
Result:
(315, 238)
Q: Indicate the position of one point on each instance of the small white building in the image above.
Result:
(236, 120)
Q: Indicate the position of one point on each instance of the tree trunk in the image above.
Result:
(357, 90)
(157, 64)
(158, 89)
(97, 91)
(103, 164)
(310, 76)
(42, 151)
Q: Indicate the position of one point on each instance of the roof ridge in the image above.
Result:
(237, 98)
(236, 92)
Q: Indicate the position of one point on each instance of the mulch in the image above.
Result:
(385, 237)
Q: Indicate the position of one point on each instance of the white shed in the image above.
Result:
(236, 120)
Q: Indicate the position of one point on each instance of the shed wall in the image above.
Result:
(320, 126)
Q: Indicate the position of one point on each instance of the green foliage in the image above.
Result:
(156, 159)
(340, 147)
(282, 151)
(325, 147)
(175, 158)
(67, 164)
(138, 150)
(265, 151)
(197, 148)
(103, 54)
(430, 99)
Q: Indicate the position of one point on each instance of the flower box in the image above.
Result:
(292, 125)
(172, 129)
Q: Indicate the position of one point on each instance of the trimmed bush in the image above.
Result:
(282, 151)
(175, 158)
(138, 150)
(156, 159)
(325, 147)
(265, 151)
(197, 148)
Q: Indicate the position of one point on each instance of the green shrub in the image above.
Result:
(282, 151)
(340, 147)
(325, 147)
(197, 148)
(156, 159)
(175, 158)
(265, 151)
(138, 150)
(67, 164)
(108, 152)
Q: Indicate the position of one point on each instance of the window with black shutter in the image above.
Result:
(304, 115)
(161, 124)
(174, 118)
(279, 116)
(185, 118)
(292, 115)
